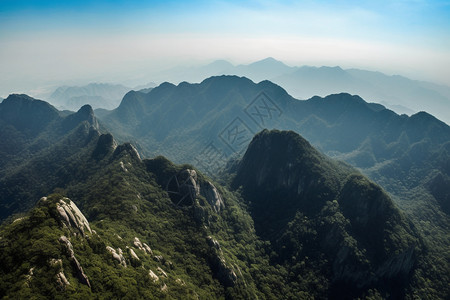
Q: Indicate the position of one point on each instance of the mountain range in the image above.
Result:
(398, 93)
(186, 121)
(256, 213)
(401, 94)
(149, 228)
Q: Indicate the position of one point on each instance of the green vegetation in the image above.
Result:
(293, 224)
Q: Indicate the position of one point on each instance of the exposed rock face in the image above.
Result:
(80, 273)
(105, 145)
(137, 243)
(213, 243)
(55, 262)
(226, 275)
(127, 148)
(200, 214)
(212, 196)
(134, 259)
(162, 272)
(153, 276)
(71, 216)
(159, 258)
(62, 281)
(117, 255)
(133, 254)
(164, 288)
(188, 183)
(147, 249)
(123, 166)
(85, 113)
(142, 246)
(29, 277)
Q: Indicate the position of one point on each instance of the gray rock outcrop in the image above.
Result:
(71, 216)
(147, 249)
(162, 272)
(133, 254)
(62, 281)
(213, 196)
(117, 255)
(153, 276)
(188, 183)
(79, 270)
(226, 274)
(142, 246)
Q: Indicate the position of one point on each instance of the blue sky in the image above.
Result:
(47, 42)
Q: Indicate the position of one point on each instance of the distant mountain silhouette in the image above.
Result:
(398, 93)
(98, 95)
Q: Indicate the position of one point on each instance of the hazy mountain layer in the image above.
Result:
(398, 93)
(98, 95)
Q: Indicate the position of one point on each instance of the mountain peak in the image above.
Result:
(269, 62)
(105, 145)
(27, 113)
(221, 63)
(271, 156)
(86, 110)
(85, 113)
(127, 148)
(19, 97)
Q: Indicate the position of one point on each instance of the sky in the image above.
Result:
(48, 43)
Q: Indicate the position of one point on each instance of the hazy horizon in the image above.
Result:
(45, 44)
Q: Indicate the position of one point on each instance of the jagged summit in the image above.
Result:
(127, 148)
(84, 114)
(86, 110)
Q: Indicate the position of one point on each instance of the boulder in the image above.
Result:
(153, 276)
(62, 281)
(123, 166)
(137, 243)
(133, 254)
(161, 272)
(147, 249)
(55, 263)
(159, 258)
(164, 287)
(117, 255)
